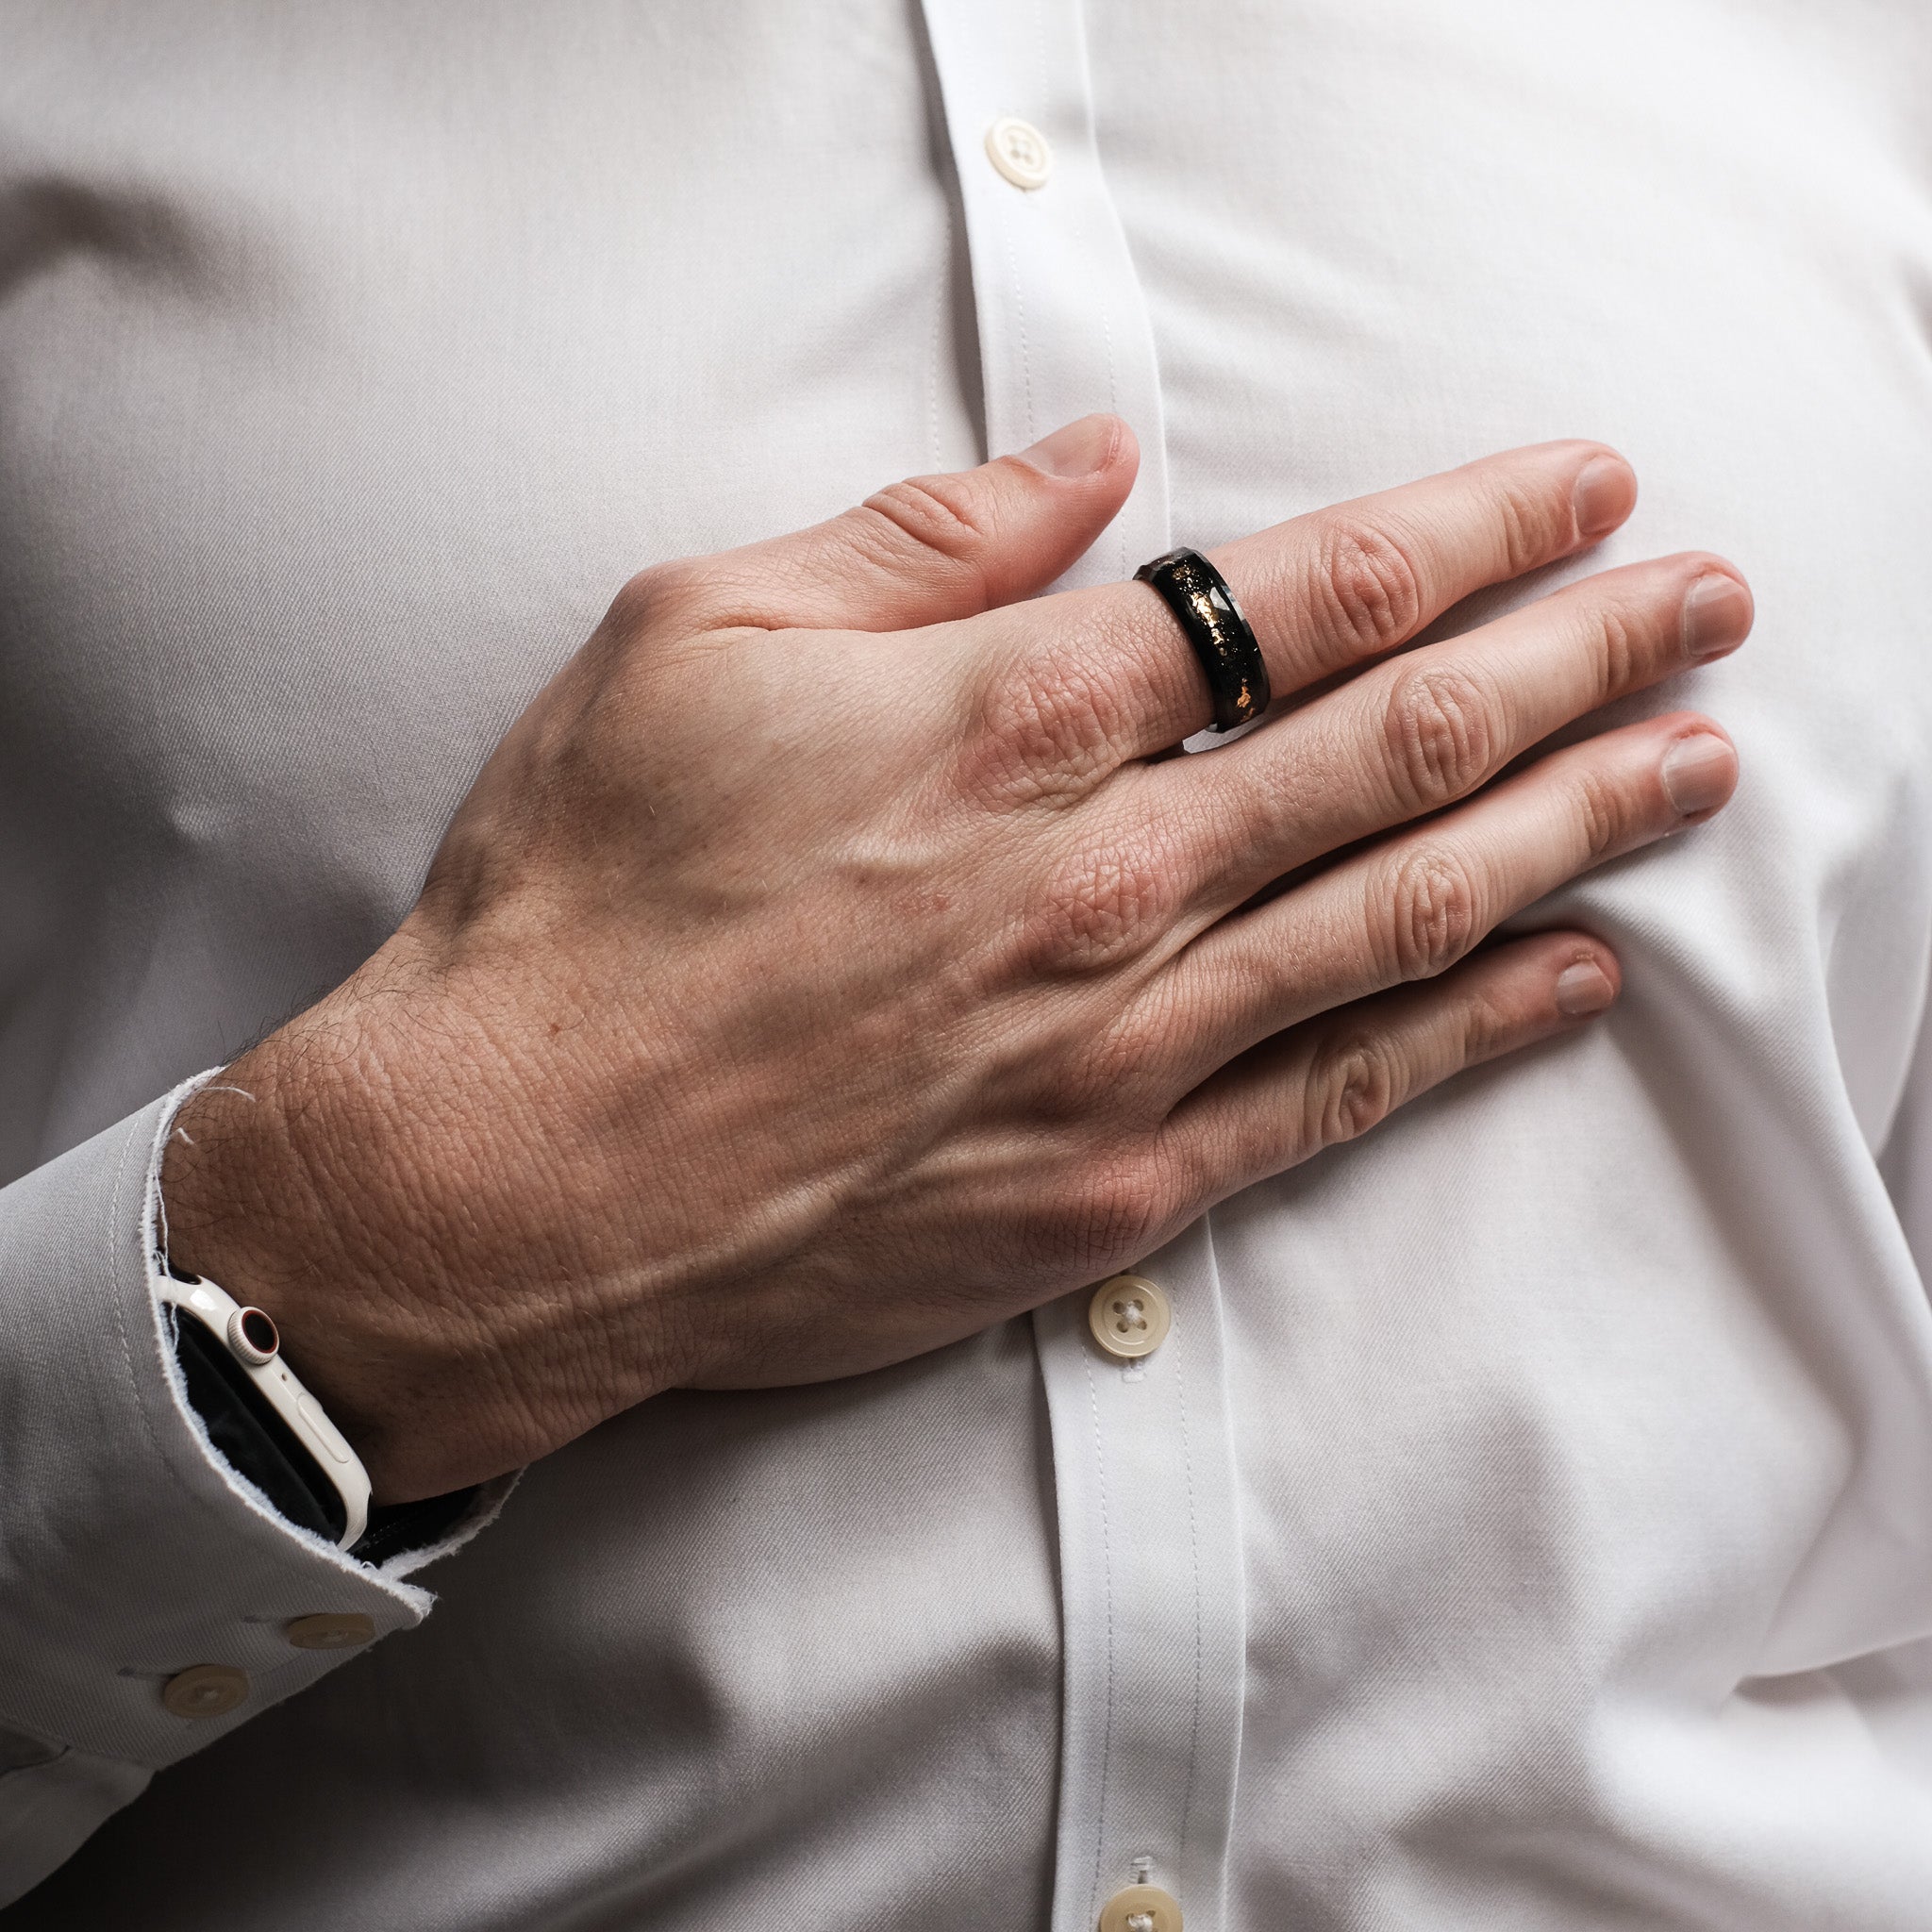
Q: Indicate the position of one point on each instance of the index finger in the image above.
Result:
(1333, 590)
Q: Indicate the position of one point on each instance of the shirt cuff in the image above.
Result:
(130, 1551)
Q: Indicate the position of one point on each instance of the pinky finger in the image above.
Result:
(1332, 1078)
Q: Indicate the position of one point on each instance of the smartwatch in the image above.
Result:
(229, 1350)
(270, 1430)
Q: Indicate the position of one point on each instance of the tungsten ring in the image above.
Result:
(1204, 606)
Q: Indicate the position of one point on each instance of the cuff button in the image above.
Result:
(341, 1630)
(206, 1690)
(1129, 1316)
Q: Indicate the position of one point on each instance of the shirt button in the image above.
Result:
(1129, 1317)
(206, 1690)
(343, 1630)
(1019, 151)
(1141, 1908)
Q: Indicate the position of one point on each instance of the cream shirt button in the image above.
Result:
(1141, 1908)
(343, 1630)
(1019, 151)
(1129, 1317)
(206, 1690)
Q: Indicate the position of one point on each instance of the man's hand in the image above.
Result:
(830, 963)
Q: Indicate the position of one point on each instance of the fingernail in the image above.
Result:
(1699, 773)
(1717, 614)
(1077, 450)
(1584, 987)
(1603, 495)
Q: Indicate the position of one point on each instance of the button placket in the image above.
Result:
(1062, 323)
(1150, 1562)
(1151, 1582)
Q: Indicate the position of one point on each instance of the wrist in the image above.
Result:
(258, 1197)
(392, 1176)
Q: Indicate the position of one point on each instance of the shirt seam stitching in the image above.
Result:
(1194, 1568)
(1106, 1600)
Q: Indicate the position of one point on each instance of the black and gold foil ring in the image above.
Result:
(1204, 606)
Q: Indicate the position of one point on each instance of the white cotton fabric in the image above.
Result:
(1528, 1523)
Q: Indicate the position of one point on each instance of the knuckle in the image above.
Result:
(1433, 913)
(1047, 728)
(1486, 1029)
(939, 513)
(1196, 1169)
(1096, 1078)
(1604, 812)
(661, 593)
(1095, 911)
(1123, 1054)
(1527, 525)
(1617, 646)
(1440, 734)
(693, 597)
(1115, 1214)
(1352, 1088)
(1367, 585)
(1111, 1069)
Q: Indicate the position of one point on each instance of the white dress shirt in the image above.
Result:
(1527, 1522)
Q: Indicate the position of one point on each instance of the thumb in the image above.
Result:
(935, 548)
